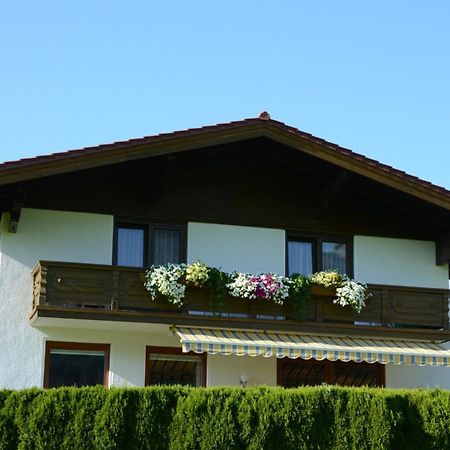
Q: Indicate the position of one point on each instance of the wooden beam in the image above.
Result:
(16, 209)
(319, 328)
(443, 249)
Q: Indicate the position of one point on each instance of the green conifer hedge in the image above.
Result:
(224, 418)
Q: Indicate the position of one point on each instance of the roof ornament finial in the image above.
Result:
(264, 115)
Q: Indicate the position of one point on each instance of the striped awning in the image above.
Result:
(383, 351)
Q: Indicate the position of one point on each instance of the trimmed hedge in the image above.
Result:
(225, 418)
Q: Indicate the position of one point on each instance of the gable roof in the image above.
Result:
(177, 141)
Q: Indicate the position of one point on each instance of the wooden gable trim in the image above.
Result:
(360, 167)
(223, 134)
(128, 151)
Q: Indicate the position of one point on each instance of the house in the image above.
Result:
(78, 228)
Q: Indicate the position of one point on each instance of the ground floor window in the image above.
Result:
(300, 372)
(76, 364)
(168, 365)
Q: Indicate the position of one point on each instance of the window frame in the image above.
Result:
(82, 346)
(380, 371)
(172, 351)
(149, 228)
(317, 240)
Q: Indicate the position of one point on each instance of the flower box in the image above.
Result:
(322, 291)
(243, 294)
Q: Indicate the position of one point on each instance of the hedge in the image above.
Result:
(224, 418)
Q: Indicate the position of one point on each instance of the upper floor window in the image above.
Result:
(306, 255)
(141, 245)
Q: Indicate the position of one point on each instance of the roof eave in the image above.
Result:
(223, 134)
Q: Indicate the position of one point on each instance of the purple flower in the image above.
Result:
(260, 292)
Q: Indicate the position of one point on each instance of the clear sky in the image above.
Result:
(370, 76)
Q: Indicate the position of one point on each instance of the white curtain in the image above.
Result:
(130, 248)
(300, 257)
(166, 246)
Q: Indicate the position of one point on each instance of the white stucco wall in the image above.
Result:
(401, 262)
(246, 249)
(2, 226)
(127, 353)
(52, 235)
(79, 237)
(226, 370)
(127, 348)
(417, 376)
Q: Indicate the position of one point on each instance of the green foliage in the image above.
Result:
(217, 282)
(207, 419)
(87, 418)
(181, 418)
(299, 294)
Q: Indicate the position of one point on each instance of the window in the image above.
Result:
(76, 364)
(301, 372)
(141, 245)
(130, 246)
(306, 255)
(168, 365)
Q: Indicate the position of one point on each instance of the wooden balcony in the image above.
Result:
(102, 292)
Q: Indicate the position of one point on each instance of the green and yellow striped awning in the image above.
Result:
(383, 351)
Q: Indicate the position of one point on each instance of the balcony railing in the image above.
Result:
(105, 292)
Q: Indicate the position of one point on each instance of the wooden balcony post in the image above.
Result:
(115, 289)
(319, 310)
(385, 307)
(446, 323)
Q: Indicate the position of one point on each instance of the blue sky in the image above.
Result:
(371, 76)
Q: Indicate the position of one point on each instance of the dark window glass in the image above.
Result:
(334, 256)
(299, 372)
(354, 374)
(76, 368)
(300, 257)
(166, 246)
(175, 369)
(130, 247)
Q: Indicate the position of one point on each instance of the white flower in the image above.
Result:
(164, 281)
(241, 286)
(348, 292)
(351, 293)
